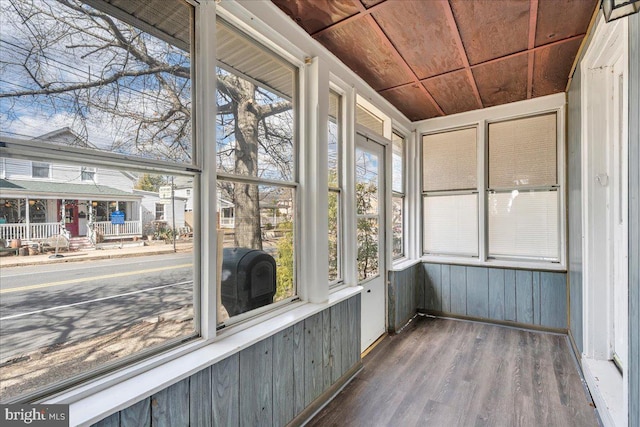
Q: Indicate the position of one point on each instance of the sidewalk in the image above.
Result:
(89, 255)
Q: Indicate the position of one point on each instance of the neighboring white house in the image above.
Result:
(42, 199)
(158, 212)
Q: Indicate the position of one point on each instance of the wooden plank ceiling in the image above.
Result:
(432, 58)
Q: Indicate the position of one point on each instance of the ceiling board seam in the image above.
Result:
(416, 81)
(490, 61)
(453, 25)
(533, 26)
(360, 14)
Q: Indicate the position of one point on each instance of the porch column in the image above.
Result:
(63, 212)
(140, 215)
(28, 218)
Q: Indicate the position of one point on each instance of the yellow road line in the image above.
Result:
(84, 279)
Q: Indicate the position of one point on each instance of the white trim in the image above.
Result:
(608, 45)
(167, 369)
(605, 385)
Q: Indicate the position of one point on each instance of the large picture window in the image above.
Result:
(81, 89)
(257, 175)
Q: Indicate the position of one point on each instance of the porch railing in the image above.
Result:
(37, 231)
(227, 222)
(129, 228)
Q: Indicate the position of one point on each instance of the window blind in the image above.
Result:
(523, 152)
(451, 224)
(524, 224)
(449, 160)
(369, 120)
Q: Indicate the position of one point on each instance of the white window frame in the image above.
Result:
(40, 165)
(402, 195)
(339, 189)
(481, 119)
(88, 169)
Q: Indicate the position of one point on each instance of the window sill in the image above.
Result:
(404, 263)
(499, 263)
(105, 396)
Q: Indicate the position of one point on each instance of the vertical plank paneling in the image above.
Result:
(313, 376)
(283, 377)
(553, 300)
(200, 397)
(225, 385)
(326, 349)
(337, 325)
(393, 298)
(496, 293)
(137, 415)
(634, 220)
(347, 339)
(524, 296)
(446, 288)
(298, 368)
(478, 292)
(170, 407)
(353, 351)
(458, 289)
(420, 292)
(536, 298)
(432, 278)
(112, 420)
(256, 384)
(510, 295)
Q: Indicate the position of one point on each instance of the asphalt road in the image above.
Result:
(51, 304)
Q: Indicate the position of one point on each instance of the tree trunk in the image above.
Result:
(246, 196)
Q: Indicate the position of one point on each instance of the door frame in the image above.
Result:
(384, 254)
(608, 46)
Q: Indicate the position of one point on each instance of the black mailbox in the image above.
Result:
(248, 279)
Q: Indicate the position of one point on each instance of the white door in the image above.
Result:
(618, 216)
(370, 214)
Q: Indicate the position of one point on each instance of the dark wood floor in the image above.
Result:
(440, 372)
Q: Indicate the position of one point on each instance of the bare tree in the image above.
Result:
(61, 57)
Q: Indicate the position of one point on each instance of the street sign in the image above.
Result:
(117, 217)
(165, 192)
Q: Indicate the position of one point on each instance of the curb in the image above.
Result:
(85, 257)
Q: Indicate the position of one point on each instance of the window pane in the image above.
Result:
(334, 140)
(451, 224)
(367, 248)
(366, 183)
(398, 163)
(369, 120)
(524, 223)
(258, 255)
(40, 170)
(523, 152)
(255, 120)
(449, 160)
(398, 226)
(76, 76)
(135, 294)
(334, 236)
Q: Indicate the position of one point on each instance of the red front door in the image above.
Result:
(70, 216)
